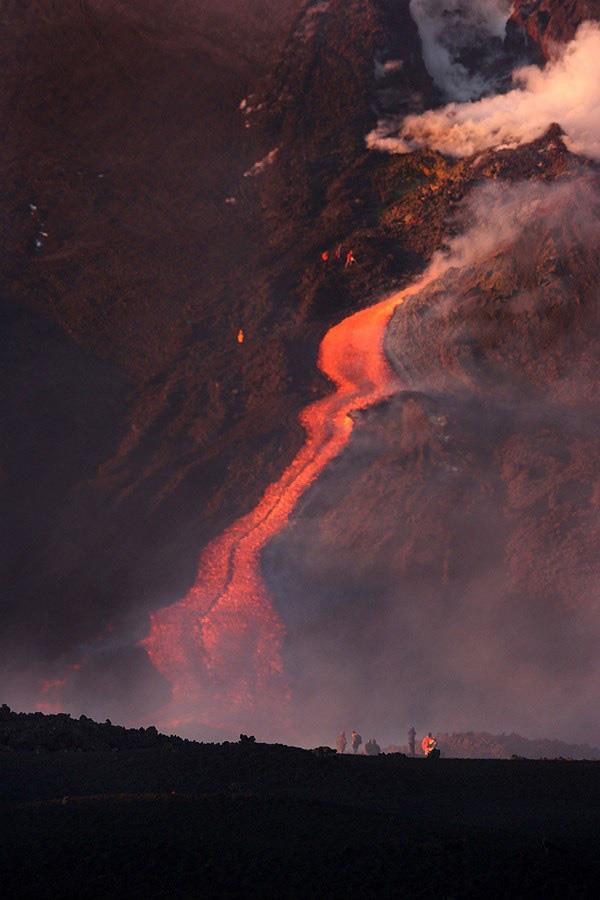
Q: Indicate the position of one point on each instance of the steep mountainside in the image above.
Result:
(448, 557)
(126, 278)
(137, 251)
(171, 191)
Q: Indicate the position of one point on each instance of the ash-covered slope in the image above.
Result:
(523, 317)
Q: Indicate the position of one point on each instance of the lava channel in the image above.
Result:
(220, 647)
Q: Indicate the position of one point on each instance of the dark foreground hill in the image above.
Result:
(181, 819)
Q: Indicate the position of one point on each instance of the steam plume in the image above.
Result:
(565, 91)
(448, 27)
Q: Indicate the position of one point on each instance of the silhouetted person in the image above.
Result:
(356, 741)
(341, 742)
(412, 741)
(372, 748)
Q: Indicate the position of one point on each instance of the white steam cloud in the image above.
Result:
(566, 91)
(448, 28)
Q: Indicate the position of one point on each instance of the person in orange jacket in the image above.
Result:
(428, 744)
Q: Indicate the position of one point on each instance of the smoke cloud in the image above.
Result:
(564, 92)
(448, 28)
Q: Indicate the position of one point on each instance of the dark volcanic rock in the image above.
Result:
(544, 24)
(37, 732)
(129, 414)
(123, 147)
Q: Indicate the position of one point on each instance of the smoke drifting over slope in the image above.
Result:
(449, 27)
(411, 562)
(565, 92)
(496, 215)
(524, 264)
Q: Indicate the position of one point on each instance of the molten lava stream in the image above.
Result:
(220, 646)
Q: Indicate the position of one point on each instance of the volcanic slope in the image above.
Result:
(223, 639)
(124, 141)
(448, 557)
(137, 252)
(205, 423)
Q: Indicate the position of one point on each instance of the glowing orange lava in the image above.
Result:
(220, 646)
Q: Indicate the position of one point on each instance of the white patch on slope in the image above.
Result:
(390, 67)
(262, 164)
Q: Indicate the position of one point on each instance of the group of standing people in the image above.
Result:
(342, 742)
(339, 255)
(372, 748)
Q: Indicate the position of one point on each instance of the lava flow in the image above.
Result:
(220, 647)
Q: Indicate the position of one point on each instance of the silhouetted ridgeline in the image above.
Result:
(36, 731)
